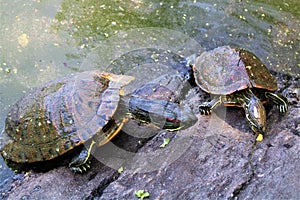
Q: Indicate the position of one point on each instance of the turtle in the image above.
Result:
(62, 115)
(236, 77)
(158, 102)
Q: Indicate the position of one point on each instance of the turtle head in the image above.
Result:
(178, 117)
(164, 114)
(256, 116)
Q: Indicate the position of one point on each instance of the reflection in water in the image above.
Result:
(41, 40)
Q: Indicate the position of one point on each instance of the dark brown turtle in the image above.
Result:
(80, 109)
(236, 77)
(158, 102)
(63, 114)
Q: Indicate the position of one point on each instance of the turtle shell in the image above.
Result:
(166, 87)
(225, 70)
(62, 114)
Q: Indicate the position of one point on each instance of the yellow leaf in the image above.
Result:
(259, 138)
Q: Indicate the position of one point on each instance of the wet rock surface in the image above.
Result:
(217, 158)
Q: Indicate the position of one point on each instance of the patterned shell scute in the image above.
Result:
(259, 75)
(225, 70)
(166, 87)
(60, 115)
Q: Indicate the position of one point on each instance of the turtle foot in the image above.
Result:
(282, 108)
(81, 168)
(82, 162)
(280, 101)
(206, 107)
(205, 110)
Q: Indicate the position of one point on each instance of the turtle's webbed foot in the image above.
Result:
(207, 107)
(280, 101)
(82, 162)
(81, 168)
(205, 110)
(282, 108)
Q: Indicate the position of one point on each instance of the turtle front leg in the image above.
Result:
(279, 100)
(81, 163)
(207, 107)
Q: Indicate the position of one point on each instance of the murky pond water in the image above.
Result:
(42, 39)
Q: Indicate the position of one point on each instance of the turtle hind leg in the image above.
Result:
(207, 107)
(82, 162)
(279, 100)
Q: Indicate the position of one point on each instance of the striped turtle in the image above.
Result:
(80, 109)
(236, 77)
(63, 114)
(158, 102)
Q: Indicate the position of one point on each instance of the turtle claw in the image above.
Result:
(207, 107)
(204, 110)
(82, 162)
(280, 101)
(81, 168)
(282, 109)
